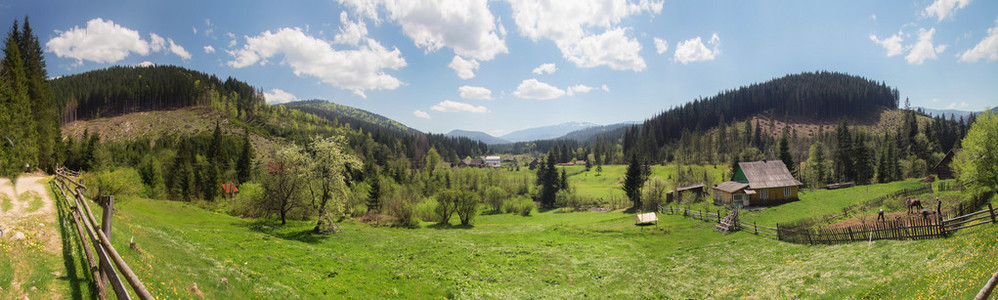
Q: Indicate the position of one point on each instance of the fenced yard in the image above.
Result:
(912, 228)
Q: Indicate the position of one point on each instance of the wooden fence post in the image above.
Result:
(108, 204)
(992, 211)
(756, 228)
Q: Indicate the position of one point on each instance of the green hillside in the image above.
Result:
(357, 118)
(548, 255)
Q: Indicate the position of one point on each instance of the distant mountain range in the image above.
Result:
(579, 131)
(951, 112)
(478, 136)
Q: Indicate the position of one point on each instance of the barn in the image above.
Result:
(943, 169)
(758, 183)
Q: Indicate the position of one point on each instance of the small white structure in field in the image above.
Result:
(647, 218)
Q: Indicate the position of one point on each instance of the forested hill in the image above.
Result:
(820, 96)
(357, 118)
(120, 90)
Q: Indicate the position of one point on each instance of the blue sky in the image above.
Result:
(500, 66)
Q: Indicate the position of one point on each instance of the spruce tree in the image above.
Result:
(244, 165)
(18, 149)
(46, 132)
(843, 153)
(633, 181)
(785, 156)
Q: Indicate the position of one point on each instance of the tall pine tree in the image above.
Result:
(244, 166)
(17, 145)
(48, 136)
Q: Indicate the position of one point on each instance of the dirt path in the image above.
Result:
(31, 238)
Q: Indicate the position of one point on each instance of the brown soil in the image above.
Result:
(37, 227)
(858, 221)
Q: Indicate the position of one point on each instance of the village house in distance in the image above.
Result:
(758, 183)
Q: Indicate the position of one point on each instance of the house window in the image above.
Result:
(765, 194)
(786, 192)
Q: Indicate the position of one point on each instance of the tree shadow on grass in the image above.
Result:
(285, 232)
(449, 226)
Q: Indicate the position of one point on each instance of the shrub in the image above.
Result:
(445, 205)
(568, 199)
(494, 197)
(520, 205)
(466, 206)
(403, 210)
(120, 182)
(426, 210)
(247, 202)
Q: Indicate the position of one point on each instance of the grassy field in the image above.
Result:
(550, 254)
(606, 184)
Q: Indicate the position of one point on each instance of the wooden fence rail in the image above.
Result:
(897, 229)
(98, 235)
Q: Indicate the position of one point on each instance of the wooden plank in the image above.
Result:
(967, 221)
(137, 286)
(101, 289)
(967, 226)
(988, 287)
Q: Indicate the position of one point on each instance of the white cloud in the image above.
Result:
(232, 39)
(209, 49)
(475, 92)
(351, 33)
(533, 89)
(586, 31)
(942, 9)
(454, 106)
(661, 45)
(421, 114)
(923, 48)
(954, 105)
(145, 64)
(692, 50)
(179, 50)
(605, 88)
(277, 96)
(101, 42)
(892, 44)
(986, 49)
(156, 42)
(579, 89)
(106, 42)
(466, 26)
(873, 17)
(545, 68)
(356, 70)
(464, 68)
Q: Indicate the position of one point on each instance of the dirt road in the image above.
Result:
(31, 239)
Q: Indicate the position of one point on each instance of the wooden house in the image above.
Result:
(676, 194)
(943, 169)
(492, 161)
(758, 183)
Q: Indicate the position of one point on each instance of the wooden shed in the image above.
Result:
(676, 194)
(943, 169)
(758, 183)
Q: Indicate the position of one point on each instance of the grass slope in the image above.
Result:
(548, 255)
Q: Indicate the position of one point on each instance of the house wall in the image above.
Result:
(775, 195)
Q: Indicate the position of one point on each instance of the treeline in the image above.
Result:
(819, 96)
(29, 132)
(120, 90)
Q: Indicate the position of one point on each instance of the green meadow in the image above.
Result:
(550, 254)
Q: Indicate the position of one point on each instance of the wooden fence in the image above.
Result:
(897, 229)
(108, 263)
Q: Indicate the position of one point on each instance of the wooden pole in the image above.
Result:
(108, 203)
(756, 228)
(986, 290)
(992, 211)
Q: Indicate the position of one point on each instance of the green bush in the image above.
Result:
(120, 182)
(520, 205)
(445, 205)
(403, 210)
(494, 197)
(247, 202)
(426, 210)
(466, 206)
